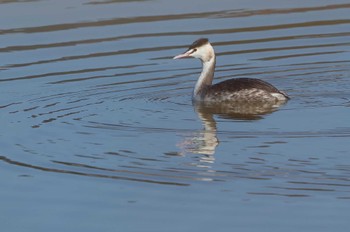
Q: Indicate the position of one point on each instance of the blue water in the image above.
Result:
(99, 131)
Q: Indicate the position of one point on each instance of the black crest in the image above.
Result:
(198, 43)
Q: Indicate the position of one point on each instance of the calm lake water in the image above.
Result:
(98, 131)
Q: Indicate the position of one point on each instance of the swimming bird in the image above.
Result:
(248, 90)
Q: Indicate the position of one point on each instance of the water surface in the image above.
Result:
(99, 131)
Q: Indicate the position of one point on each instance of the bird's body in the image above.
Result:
(240, 89)
(234, 90)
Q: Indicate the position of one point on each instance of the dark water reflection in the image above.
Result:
(206, 141)
(98, 125)
(243, 111)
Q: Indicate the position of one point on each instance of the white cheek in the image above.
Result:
(200, 55)
(196, 55)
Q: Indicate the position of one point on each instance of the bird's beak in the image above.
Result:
(184, 55)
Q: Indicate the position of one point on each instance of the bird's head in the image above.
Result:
(200, 49)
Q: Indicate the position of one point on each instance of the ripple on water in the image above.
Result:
(121, 108)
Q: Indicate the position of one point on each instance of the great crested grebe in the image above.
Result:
(234, 90)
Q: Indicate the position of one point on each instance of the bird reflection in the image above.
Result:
(236, 111)
(205, 142)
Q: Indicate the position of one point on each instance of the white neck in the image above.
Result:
(206, 78)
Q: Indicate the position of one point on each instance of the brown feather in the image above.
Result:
(237, 84)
